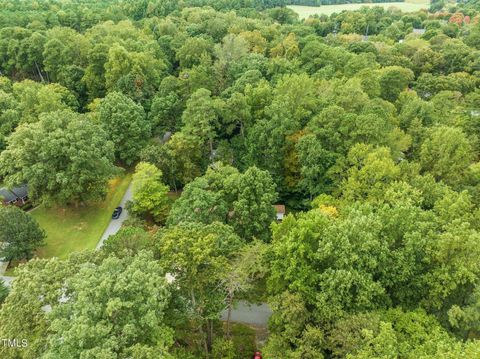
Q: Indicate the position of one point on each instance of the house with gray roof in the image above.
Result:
(7, 197)
(17, 195)
(21, 192)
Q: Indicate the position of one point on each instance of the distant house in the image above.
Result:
(7, 197)
(17, 195)
(280, 211)
(22, 193)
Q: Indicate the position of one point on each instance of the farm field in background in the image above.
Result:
(306, 11)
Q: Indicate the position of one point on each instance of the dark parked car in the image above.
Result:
(257, 355)
(117, 212)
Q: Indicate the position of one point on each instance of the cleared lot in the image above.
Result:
(306, 11)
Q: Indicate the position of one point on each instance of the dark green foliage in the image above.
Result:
(20, 234)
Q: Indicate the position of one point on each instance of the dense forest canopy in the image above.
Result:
(365, 124)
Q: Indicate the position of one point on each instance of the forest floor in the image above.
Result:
(407, 6)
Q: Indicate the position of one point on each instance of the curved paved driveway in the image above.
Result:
(115, 224)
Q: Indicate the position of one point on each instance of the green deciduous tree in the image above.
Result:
(116, 308)
(20, 234)
(200, 117)
(126, 125)
(23, 314)
(192, 50)
(252, 208)
(64, 158)
(446, 153)
(198, 204)
(245, 201)
(181, 159)
(128, 241)
(393, 80)
(137, 74)
(314, 161)
(149, 193)
(198, 256)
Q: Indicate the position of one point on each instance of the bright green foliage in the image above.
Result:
(137, 74)
(180, 159)
(369, 172)
(245, 201)
(149, 193)
(380, 254)
(197, 256)
(3, 292)
(114, 309)
(394, 80)
(34, 99)
(23, 315)
(64, 158)
(446, 153)
(192, 50)
(125, 123)
(223, 349)
(328, 242)
(20, 234)
(252, 208)
(127, 241)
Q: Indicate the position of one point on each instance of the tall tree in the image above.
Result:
(126, 125)
(106, 314)
(20, 234)
(252, 207)
(200, 117)
(64, 158)
(149, 193)
(197, 256)
(393, 80)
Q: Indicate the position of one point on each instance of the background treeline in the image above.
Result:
(81, 15)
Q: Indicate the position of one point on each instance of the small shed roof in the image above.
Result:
(7, 195)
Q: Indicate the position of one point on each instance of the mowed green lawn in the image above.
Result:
(408, 6)
(75, 229)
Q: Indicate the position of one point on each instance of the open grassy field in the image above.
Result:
(408, 6)
(75, 229)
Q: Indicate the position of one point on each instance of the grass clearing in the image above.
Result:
(75, 229)
(408, 6)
